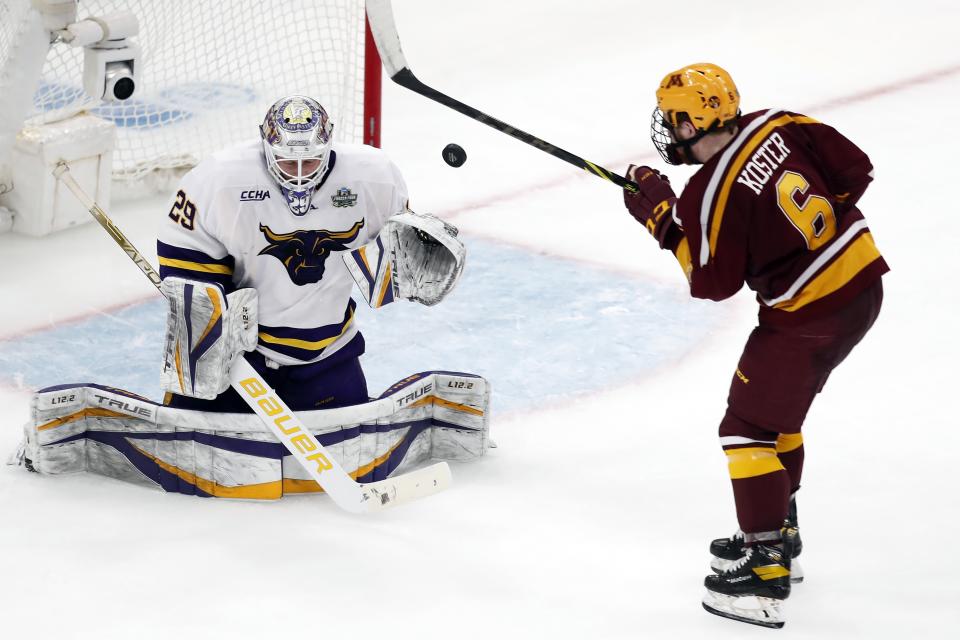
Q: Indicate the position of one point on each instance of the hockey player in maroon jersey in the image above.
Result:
(773, 206)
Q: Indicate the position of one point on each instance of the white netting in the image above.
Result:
(209, 71)
(12, 15)
(23, 45)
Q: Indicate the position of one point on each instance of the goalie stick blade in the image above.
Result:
(764, 612)
(407, 487)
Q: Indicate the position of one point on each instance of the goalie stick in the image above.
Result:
(284, 424)
(384, 30)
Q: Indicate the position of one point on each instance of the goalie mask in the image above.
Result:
(702, 94)
(297, 135)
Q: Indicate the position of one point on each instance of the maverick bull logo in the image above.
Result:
(304, 253)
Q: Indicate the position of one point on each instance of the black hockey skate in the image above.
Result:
(753, 588)
(726, 551)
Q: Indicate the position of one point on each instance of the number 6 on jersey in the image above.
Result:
(814, 218)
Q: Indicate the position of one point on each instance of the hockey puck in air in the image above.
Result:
(454, 155)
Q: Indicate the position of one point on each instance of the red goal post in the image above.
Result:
(372, 88)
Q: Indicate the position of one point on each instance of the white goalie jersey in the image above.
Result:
(229, 223)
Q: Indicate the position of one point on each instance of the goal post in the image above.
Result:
(372, 86)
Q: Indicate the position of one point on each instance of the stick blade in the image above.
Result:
(407, 487)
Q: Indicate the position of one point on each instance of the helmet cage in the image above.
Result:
(663, 137)
(676, 151)
(297, 180)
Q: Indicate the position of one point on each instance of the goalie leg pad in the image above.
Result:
(206, 332)
(433, 415)
(75, 428)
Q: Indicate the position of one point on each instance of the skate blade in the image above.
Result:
(765, 612)
(796, 572)
(719, 565)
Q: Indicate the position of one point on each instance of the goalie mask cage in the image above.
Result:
(209, 70)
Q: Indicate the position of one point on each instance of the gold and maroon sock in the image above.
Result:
(761, 483)
(761, 487)
(790, 452)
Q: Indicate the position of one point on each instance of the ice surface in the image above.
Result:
(506, 320)
(592, 518)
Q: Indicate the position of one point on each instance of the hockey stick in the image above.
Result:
(384, 29)
(277, 416)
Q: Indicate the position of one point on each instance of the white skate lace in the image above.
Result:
(739, 563)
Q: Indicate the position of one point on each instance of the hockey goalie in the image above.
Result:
(259, 252)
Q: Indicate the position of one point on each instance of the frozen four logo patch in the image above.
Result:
(344, 198)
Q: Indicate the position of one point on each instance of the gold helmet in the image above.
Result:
(702, 94)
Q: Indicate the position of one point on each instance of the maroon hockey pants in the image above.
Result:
(780, 372)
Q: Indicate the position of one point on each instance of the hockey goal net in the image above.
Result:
(209, 71)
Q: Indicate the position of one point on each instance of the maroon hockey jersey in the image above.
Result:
(775, 209)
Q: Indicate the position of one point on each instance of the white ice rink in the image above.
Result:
(591, 519)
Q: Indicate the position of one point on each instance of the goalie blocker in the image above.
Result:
(206, 332)
(112, 432)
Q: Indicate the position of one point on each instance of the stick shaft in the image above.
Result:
(62, 172)
(384, 30)
(405, 78)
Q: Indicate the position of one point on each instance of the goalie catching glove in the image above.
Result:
(206, 332)
(415, 257)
